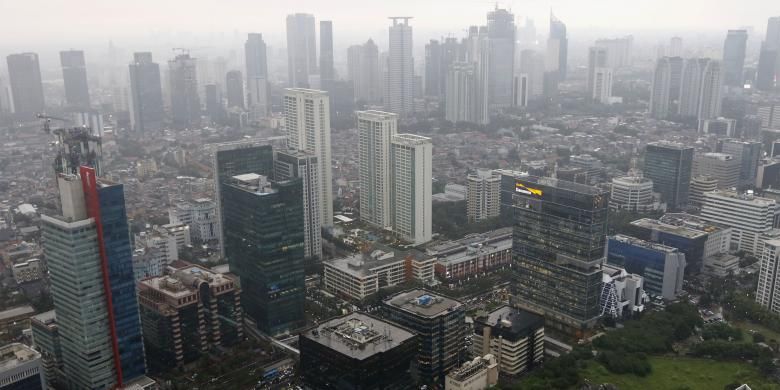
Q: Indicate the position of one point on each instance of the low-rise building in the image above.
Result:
(477, 374)
(748, 215)
(661, 266)
(46, 339)
(633, 194)
(200, 215)
(27, 271)
(514, 336)
(15, 316)
(622, 293)
(20, 368)
(473, 254)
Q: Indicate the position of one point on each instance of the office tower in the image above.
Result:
(602, 85)
(533, 64)
(433, 62)
(257, 74)
(767, 67)
(515, 337)
(633, 194)
(700, 185)
(720, 166)
(234, 86)
(74, 73)
(669, 166)
(186, 313)
(301, 50)
(557, 275)
(661, 266)
(768, 175)
(483, 195)
(660, 95)
(559, 43)
(619, 51)
(675, 47)
(214, 108)
(747, 153)
(410, 187)
(400, 68)
(700, 89)
(597, 60)
(750, 216)
(439, 322)
(185, 101)
(101, 347)
(734, 58)
(501, 62)
(327, 73)
(46, 340)
(24, 75)
(768, 291)
(307, 119)
(264, 245)
(20, 368)
(291, 164)
(375, 133)
(520, 88)
(462, 103)
(147, 108)
(363, 70)
(712, 83)
(477, 52)
(357, 351)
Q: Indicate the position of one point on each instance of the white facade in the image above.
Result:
(290, 164)
(307, 120)
(602, 85)
(20, 367)
(27, 271)
(163, 243)
(768, 291)
(375, 132)
(477, 374)
(399, 89)
(748, 215)
(632, 193)
(720, 166)
(411, 160)
(483, 195)
(461, 93)
(201, 217)
(700, 91)
(622, 293)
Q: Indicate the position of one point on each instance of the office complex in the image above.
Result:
(264, 245)
(363, 71)
(290, 164)
(376, 130)
(483, 195)
(749, 216)
(747, 153)
(438, 321)
(101, 347)
(515, 337)
(147, 110)
(307, 120)
(234, 89)
(185, 101)
(301, 50)
(24, 75)
(720, 166)
(399, 87)
(327, 73)
(559, 234)
(186, 313)
(74, 74)
(633, 194)
(357, 351)
(478, 373)
(473, 254)
(700, 88)
(661, 266)
(256, 76)
(734, 58)
(20, 368)
(410, 187)
(669, 166)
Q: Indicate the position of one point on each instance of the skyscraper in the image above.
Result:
(602, 85)
(24, 74)
(307, 119)
(291, 164)
(256, 75)
(769, 59)
(669, 166)
(675, 47)
(327, 73)
(214, 108)
(74, 73)
(559, 43)
(363, 70)
(234, 85)
(410, 187)
(375, 133)
(559, 237)
(700, 88)
(619, 51)
(185, 101)
(748, 153)
(597, 59)
(734, 57)
(399, 90)
(501, 42)
(90, 258)
(665, 93)
(483, 196)
(147, 109)
(301, 49)
(433, 69)
(264, 245)
(462, 101)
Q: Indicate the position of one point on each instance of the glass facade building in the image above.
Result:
(558, 244)
(669, 166)
(661, 266)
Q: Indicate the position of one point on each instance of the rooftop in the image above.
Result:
(748, 196)
(654, 224)
(19, 311)
(562, 184)
(358, 335)
(362, 264)
(16, 354)
(691, 221)
(47, 317)
(669, 145)
(423, 303)
(642, 243)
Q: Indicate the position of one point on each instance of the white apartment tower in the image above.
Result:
(307, 121)
(602, 85)
(399, 90)
(375, 133)
(462, 101)
(290, 164)
(768, 291)
(700, 89)
(483, 195)
(748, 215)
(411, 159)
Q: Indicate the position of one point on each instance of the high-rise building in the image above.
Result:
(515, 337)
(439, 322)
(734, 58)
(520, 90)
(264, 245)
(749, 216)
(24, 75)
(375, 134)
(147, 108)
(557, 275)
(301, 50)
(462, 103)
(291, 164)
(214, 108)
(101, 347)
(700, 185)
(185, 100)
(501, 62)
(665, 94)
(661, 266)
(399, 88)
(257, 74)
(327, 73)
(307, 119)
(700, 88)
(533, 64)
(483, 195)
(201, 217)
(769, 59)
(669, 166)
(633, 194)
(363, 70)
(560, 45)
(619, 51)
(602, 85)
(234, 86)
(675, 47)
(720, 166)
(433, 68)
(20, 368)
(46, 340)
(410, 187)
(768, 291)
(74, 73)
(747, 153)
(597, 60)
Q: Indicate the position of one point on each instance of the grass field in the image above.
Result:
(682, 373)
(747, 326)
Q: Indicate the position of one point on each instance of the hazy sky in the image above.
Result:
(62, 21)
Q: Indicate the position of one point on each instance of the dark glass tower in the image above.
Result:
(501, 47)
(148, 111)
(24, 74)
(559, 235)
(234, 85)
(669, 165)
(734, 57)
(74, 73)
(558, 31)
(327, 74)
(185, 100)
